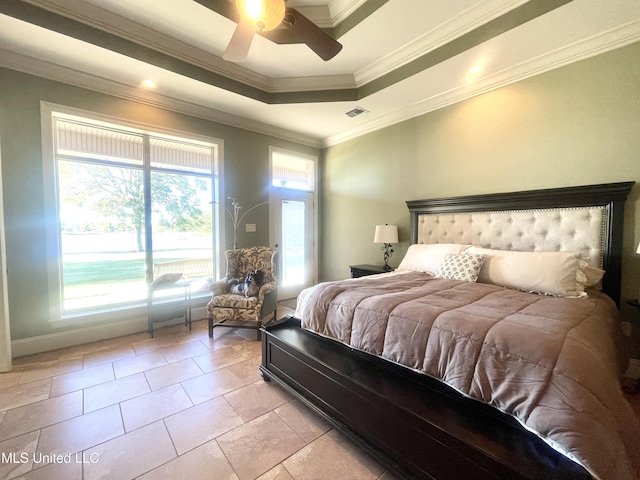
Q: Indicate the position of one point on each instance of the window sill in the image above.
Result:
(107, 315)
(120, 313)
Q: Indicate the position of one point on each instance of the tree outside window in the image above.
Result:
(103, 217)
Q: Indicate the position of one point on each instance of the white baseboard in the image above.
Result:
(84, 335)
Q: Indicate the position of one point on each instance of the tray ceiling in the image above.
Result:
(400, 58)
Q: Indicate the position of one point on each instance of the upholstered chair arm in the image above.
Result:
(268, 298)
(264, 289)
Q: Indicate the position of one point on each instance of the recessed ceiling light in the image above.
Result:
(149, 83)
(475, 70)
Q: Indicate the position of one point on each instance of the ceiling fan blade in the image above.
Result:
(240, 42)
(316, 39)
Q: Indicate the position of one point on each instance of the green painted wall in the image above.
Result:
(246, 170)
(576, 125)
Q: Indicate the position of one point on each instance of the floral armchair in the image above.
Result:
(238, 311)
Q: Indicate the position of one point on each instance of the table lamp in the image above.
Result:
(388, 235)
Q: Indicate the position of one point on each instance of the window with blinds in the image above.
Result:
(80, 141)
(289, 171)
(130, 205)
(176, 155)
(89, 142)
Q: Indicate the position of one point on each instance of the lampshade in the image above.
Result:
(386, 234)
(638, 250)
(263, 15)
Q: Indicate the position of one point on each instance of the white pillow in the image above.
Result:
(421, 257)
(550, 273)
(463, 267)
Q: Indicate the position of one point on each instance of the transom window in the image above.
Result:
(293, 171)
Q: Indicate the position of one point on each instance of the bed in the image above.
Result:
(489, 353)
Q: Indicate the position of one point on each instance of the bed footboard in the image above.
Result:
(409, 422)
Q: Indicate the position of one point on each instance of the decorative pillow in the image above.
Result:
(428, 257)
(593, 275)
(551, 273)
(167, 278)
(464, 267)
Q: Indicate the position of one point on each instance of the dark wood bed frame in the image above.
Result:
(414, 424)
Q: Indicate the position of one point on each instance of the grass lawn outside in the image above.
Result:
(103, 269)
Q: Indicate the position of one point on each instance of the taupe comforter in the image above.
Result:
(550, 362)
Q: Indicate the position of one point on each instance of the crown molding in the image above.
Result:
(130, 30)
(465, 22)
(69, 76)
(340, 10)
(590, 47)
(595, 45)
(87, 13)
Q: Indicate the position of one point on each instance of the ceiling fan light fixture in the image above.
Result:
(263, 15)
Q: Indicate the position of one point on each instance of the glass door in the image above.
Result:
(293, 186)
(294, 233)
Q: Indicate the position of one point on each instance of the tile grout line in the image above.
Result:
(244, 347)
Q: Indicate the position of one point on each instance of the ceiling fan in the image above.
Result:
(265, 15)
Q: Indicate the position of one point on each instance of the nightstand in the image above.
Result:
(364, 270)
(630, 384)
(633, 320)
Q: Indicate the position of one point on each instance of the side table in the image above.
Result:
(165, 307)
(364, 270)
(630, 383)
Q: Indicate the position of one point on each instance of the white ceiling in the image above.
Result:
(383, 66)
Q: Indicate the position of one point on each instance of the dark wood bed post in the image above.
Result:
(612, 196)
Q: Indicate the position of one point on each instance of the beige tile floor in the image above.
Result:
(178, 406)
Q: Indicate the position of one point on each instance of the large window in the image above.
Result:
(131, 205)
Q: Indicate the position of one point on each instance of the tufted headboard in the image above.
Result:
(586, 220)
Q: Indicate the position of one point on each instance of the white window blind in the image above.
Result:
(87, 141)
(181, 156)
(78, 140)
(289, 171)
